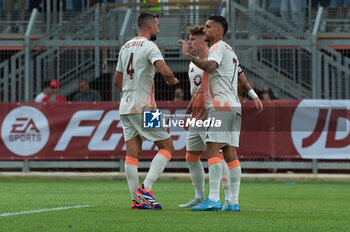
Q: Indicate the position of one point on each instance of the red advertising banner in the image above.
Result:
(92, 131)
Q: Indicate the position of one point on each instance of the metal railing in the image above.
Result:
(273, 54)
(290, 61)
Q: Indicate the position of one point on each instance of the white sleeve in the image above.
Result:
(120, 63)
(154, 53)
(38, 98)
(216, 53)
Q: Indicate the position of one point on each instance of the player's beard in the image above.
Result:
(208, 39)
(154, 37)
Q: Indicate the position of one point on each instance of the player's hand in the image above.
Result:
(259, 105)
(185, 48)
(172, 81)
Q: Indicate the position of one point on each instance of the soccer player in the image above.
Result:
(219, 83)
(196, 136)
(195, 143)
(134, 77)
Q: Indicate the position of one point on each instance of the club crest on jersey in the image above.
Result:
(152, 119)
(197, 80)
(192, 70)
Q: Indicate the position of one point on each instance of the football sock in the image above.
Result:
(132, 176)
(225, 179)
(197, 174)
(157, 167)
(235, 179)
(215, 171)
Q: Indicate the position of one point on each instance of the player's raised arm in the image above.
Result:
(206, 65)
(118, 80)
(166, 72)
(242, 81)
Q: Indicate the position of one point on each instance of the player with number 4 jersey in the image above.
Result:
(138, 84)
(134, 77)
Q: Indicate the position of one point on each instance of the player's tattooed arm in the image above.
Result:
(206, 65)
(242, 81)
(118, 80)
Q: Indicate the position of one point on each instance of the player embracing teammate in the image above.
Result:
(214, 83)
(219, 83)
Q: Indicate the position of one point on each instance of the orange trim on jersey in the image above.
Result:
(217, 104)
(214, 47)
(132, 161)
(199, 110)
(150, 99)
(165, 153)
(221, 155)
(200, 99)
(153, 102)
(214, 160)
(192, 158)
(134, 111)
(233, 164)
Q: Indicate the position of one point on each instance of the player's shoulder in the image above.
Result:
(215, 46)
(152, 44)
(225, 45)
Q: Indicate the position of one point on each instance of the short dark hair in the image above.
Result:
(83, 80)
(196, 30)
(45, 84)
(221, 20)
(144, 17)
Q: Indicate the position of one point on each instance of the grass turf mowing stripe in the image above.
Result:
(44, 210)
(298, 211)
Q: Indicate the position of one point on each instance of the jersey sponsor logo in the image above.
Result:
(152, 119)
(321, 129)
(25, 131)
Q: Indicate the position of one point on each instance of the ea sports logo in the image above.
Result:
(25, 131)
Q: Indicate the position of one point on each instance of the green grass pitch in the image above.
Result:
(266, 206)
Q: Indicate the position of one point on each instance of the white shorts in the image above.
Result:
(228, 133)
(196, 139)
(133, 126)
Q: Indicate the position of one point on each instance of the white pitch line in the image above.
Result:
(298, 211)
(44, 210)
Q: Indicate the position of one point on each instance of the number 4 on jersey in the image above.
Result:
(129, 70)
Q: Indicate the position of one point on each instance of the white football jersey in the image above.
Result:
(136, 62)
(222, 89)
(196, 75)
